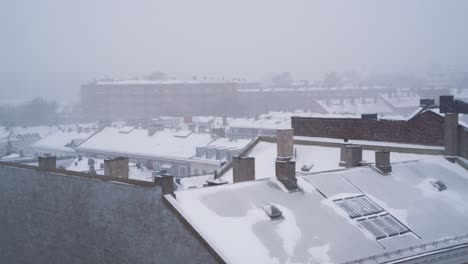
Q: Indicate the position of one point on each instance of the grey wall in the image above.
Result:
(50, 218)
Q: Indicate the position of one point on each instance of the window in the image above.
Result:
(182, 171)
(195, 171)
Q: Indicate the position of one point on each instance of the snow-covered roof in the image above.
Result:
(203, 119)
(320, 158)
(361, 105)
(229, 143)
(163, 144)
(60, 139)
(261, 123)
(402, 99)
(315, 229)
(42, 131)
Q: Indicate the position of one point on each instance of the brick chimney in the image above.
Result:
(243, 169)
(351, 155)
(117, 167)
(167, 184)
(451, 134)
(285, 143)
(47, 162)
(382, 161)
(285, 169)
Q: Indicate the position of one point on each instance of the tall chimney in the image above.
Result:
(451, 134)
(243, 169)
(351, 155)
(285, 169)
(382, 161)
(47, 162)
(117, 167)
(285, 143)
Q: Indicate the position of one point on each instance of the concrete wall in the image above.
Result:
(51, 218)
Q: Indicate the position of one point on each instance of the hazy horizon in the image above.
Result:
(50, 47)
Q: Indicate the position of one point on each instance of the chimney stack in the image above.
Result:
(243, 169)
(47, 162)
(153, 128)
(451, 134)
(117, 167)
(351, 155)
(285, 169)
(167, 184)
(427, 103)
(382, 161)
(285, 143)
(104, 123)
(188, 119)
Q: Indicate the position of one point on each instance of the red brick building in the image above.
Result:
(426, 127)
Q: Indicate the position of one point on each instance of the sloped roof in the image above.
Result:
(336, 106)
(163, 143)
(60, 139)
(314, 229)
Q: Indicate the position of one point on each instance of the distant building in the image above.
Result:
(136, 99)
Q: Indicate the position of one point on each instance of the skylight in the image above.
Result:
(371, 217)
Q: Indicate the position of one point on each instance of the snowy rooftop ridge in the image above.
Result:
(60, 139)
(165, 143)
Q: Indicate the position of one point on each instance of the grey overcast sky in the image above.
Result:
(50, 47)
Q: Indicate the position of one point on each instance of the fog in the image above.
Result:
(48, 48)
